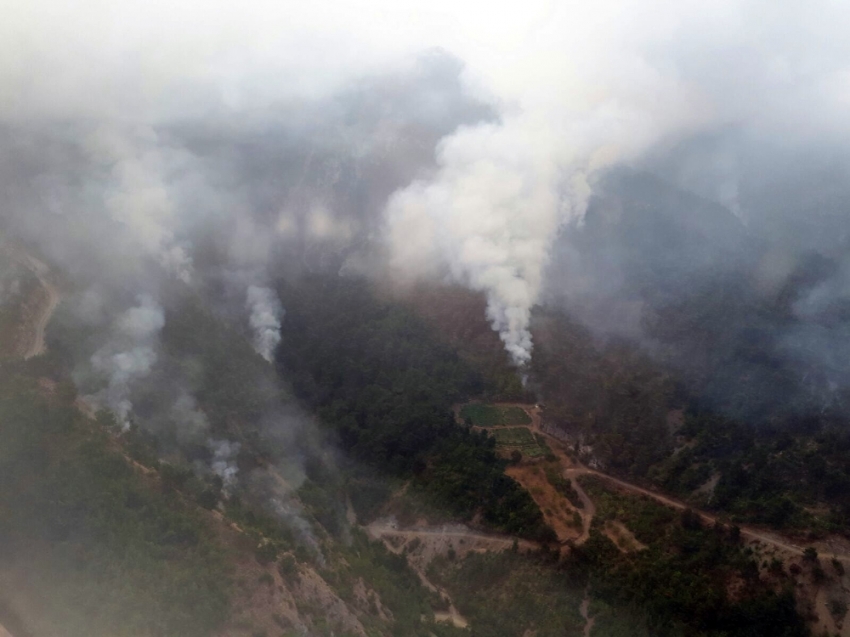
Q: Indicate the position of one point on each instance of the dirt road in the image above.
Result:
(767, 537)
(382, 529)
(38, 345)
(574, 469)
(587, 512)
(421, 545)
(36, 342)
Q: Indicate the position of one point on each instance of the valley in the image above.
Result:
(280, 584)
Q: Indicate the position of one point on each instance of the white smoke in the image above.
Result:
(193, 426)
(139, 197)
(266, 313)
(582, 88)
(224, 461)
(578, 86)
(291, 513)
(489, 213)
(129, 356)
(497, 200)
(192, 423)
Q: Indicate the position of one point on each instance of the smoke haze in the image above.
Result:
(663, 187)
(436, 140)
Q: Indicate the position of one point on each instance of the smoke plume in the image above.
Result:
(269, 112)
(129, 356)
(266, 313)
(224, 461)
(138, 196)
(193, 427)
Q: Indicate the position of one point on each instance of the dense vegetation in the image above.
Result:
(610, 393)
(683, 580)
(645, 426)
(83, 533)
(236, 389)
(763, 475)
(385, 385)
(690, 580)
(378, 377)
(507, 594)
(484, 415)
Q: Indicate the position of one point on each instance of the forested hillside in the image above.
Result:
(382, 380)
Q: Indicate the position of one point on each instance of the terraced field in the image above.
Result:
(483, 415)
(522, 439)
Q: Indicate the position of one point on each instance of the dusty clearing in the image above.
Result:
(620, 535)
(558, 512)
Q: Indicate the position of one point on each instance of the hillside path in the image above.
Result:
(36, 344)
(574, 469)
(380, 529)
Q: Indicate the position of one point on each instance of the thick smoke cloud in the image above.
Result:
(138, 196)
(502, 192)
(491, 211)
(575, 89)
(148, 156)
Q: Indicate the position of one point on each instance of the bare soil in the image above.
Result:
(37, 309)
(558, 512)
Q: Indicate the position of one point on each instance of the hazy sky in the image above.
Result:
(66, 57)
(579, 86)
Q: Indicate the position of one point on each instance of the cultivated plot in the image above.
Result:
(522, 439)
(482, 415)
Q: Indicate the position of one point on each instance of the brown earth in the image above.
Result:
(37, 309)
(558, 512)
(818, 597)
(622, 538)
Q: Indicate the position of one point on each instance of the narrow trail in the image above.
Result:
(574, 469)
(767, 537)
(385, 532)
(498, 542)
(584, 609)
(587, 513)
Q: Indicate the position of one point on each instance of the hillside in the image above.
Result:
(108, 533)
(287, 547)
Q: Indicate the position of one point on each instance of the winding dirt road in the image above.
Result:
(439, 540)
(36, 344)
(574, 469)
(381, 529)
(586, 513)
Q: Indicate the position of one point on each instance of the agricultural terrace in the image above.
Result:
(521, 439)
(482, 415)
